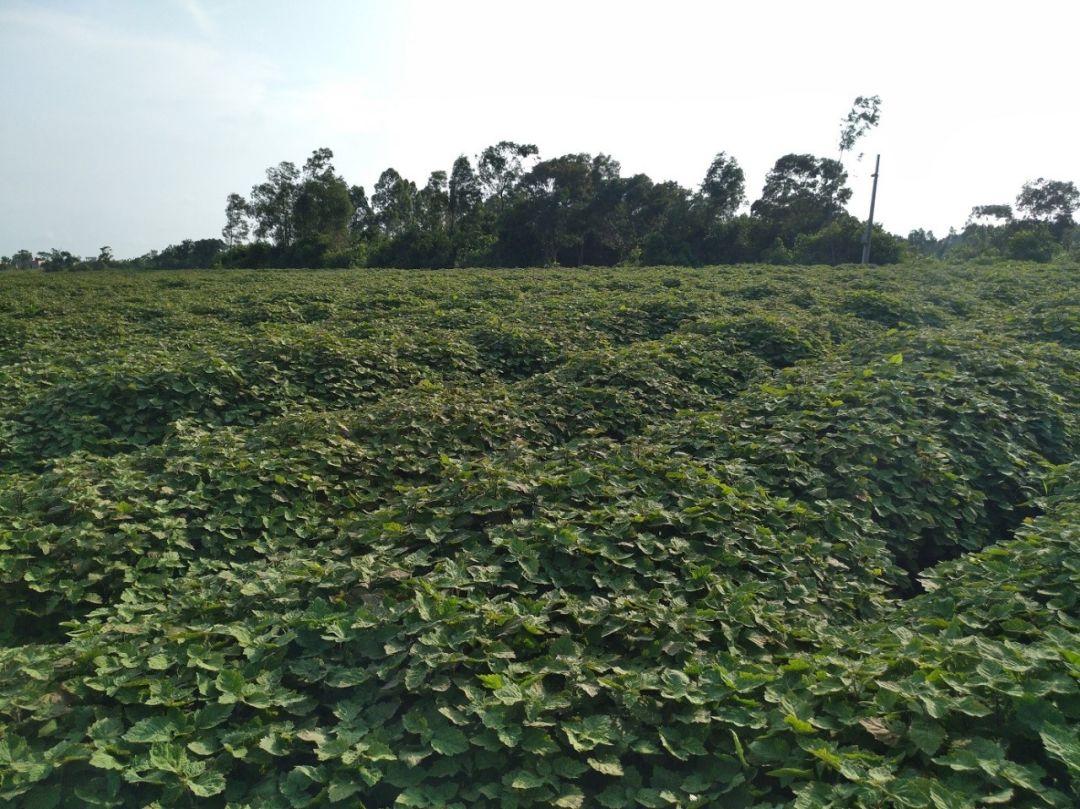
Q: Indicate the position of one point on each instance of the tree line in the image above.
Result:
(509, 207)
(1039, 226)
(506, 206)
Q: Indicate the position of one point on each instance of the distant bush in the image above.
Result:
(1031, 244)
(841, 242)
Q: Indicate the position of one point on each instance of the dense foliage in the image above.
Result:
(507, 207)
(1041, 227)
(513, 209)
(647, 537)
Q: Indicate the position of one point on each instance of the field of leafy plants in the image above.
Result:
(726, 537)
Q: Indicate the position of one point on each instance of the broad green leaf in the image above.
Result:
(448, 740)
(206, 784)
(152, 729)
(608, 765)
(1062, 745)
(927, 735)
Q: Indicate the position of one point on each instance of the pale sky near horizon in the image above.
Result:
(127, 123)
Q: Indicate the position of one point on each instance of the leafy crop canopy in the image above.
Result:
(619, 538)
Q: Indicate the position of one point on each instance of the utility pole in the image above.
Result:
(870, 221)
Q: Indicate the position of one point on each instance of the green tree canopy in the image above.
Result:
(801, 194)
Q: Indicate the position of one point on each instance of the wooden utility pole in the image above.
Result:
(870, 221)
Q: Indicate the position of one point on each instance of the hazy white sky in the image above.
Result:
(127, 122)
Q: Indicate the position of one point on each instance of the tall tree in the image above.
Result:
(363, 218)
(1049, 200)
(273, 204)
(320, 164)
(501, 167)
(864, 115)
(433, 203)
(394, 202)
(724, 186)
(801, 194)
(23, 259)
(562, 203)
(323, 208)
(237, 220)
(464, 191)
(990, 214)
